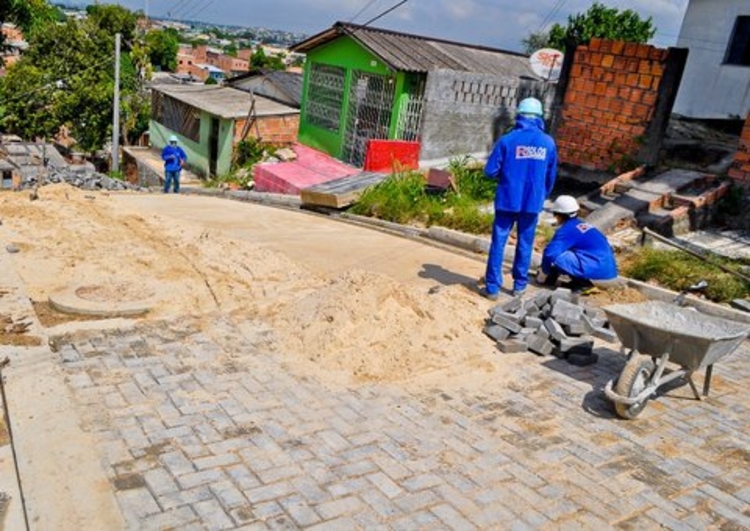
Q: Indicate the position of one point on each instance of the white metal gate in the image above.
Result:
(371, 100)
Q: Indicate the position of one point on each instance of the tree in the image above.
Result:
(67, 78)
(260, 61)
(600, 22)
(535, 41)
(29, 15)
(163, 46)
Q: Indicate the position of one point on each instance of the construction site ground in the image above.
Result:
(295, 371)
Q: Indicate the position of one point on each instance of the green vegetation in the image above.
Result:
(677, 271)
(67, 77)
(163, 46)
(598, 22)
(405, 198)
(260, 61)
(247, 153)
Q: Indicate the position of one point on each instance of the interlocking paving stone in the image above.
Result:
(192, 442)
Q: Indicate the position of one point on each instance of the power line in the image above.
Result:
(555, 9)
(384, 13)
(199, 8)
(367, 6)
(182, 6)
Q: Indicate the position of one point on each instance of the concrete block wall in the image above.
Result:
(465, 113)
(609, 103)
(740, 169)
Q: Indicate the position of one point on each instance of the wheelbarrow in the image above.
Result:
(656, 333)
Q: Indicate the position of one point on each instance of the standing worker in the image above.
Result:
(174, 159)
(577, 249)
(524, 164)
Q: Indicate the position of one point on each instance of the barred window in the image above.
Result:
(176, 115)
(325, 96)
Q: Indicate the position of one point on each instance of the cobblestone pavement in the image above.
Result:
(211, 430)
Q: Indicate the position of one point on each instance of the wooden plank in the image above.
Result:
(340, 193)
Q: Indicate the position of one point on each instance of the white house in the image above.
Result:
(716, 81)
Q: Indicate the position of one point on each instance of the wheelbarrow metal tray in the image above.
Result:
(693, 340)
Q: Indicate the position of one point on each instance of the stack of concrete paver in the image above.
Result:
(550, 323)
(80, 178)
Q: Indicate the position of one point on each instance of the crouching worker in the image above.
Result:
(578, 250)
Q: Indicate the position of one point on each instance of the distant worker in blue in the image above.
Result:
(174, 159)
(524, 164)
(578, 250)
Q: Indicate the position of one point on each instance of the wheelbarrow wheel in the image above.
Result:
(632, 381)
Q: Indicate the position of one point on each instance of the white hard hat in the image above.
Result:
(173, 138)
(530, 106)
(565, 204)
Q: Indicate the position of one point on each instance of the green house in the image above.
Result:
(364, 83)
(209, 121)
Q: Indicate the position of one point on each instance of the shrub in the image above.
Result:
(677, 271)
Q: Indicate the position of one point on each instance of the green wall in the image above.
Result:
(346, 53)
(197, 153)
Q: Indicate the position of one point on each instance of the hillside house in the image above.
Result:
(716, 82)
(210, 120)
(363, 83)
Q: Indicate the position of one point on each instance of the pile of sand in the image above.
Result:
(373, 328)
(359, 325)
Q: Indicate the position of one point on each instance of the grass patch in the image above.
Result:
(677, 271)
(404, 198)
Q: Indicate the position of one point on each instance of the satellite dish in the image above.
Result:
(547, 63)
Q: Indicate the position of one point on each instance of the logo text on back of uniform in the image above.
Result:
(531, 152)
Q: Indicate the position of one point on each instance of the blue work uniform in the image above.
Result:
(174, 157)
(580, 250)
(524, 163)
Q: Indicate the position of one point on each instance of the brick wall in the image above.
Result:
(740, 169)
(280, 131)
(609, 103)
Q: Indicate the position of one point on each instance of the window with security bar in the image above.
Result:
(325, 96)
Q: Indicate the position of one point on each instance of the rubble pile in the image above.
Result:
(86, 180)
(551, 323)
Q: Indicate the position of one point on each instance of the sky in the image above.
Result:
(494, 23)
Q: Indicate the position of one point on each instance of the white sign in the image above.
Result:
(547, 63)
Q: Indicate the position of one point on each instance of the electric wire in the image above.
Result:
(552, 12)
(365, 8)
(384, 13)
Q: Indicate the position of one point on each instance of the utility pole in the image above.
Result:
(116, 111)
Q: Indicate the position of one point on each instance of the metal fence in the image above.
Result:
(371, 100)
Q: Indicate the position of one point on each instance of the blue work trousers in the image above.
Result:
(172, 178)
(525, 223)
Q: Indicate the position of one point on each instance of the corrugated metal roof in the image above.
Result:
(224, 102)
(414, 53)
(288, 83)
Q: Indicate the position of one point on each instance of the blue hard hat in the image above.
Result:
(530, 106)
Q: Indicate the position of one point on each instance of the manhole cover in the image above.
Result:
(113, 293)
(116, 299)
